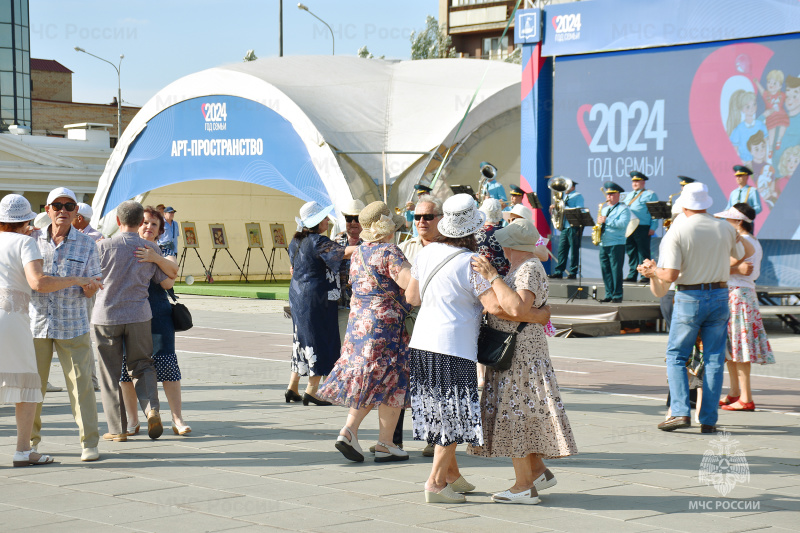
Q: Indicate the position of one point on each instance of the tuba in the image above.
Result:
(559, 185)
(668, 221)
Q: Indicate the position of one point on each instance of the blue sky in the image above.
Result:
(163, 41)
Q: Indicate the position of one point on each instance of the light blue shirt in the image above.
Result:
(638, 207)
(571, 201)
(495, 190)
(169, 239)
(745, 194)
(617, 218)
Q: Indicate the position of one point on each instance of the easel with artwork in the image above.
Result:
(279, 240)
(191, 242)
(219, 241)
(255, 240)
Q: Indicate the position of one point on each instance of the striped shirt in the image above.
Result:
(62, 314)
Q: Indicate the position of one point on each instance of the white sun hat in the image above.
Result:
(522, 211)
(519, 235)
(493, 209)
(732, 214)
(15, 208)
(695, 197)
(41, 221)
(312, 214)
(461, 217)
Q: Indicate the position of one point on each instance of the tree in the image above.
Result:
(432, 42)
(364, 53)
(250, 56)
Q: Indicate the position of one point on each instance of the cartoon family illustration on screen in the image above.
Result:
(767, 143)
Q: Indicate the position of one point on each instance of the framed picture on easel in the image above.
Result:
(254, 238)
(189, 231)
(278, 232)
(219, 240)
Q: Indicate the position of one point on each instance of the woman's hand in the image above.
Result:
(482, 266)
(147, 255)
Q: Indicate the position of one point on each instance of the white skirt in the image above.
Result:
(19, 375)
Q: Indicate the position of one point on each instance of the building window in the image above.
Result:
(14, 64)
(459, 3)
(495, 48)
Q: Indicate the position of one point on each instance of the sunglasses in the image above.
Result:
(69, 206)
(427, 216)
(351, 218)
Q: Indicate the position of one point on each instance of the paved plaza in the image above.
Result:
(255, 463)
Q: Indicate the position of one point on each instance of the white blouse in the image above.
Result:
(738, 280)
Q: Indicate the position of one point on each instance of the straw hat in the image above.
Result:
(519, 235)
(377, 221)
(312, 214)
(461, 217)
(353, 207)
(695, 197)
(493, 209)
(15, 208)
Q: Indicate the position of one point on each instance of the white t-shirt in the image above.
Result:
(450, 315)
(701, 248)
(738, 280)
(16, 251)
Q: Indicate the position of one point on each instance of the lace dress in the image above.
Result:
(521, 407)
(19, 376)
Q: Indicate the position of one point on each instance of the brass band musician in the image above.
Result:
(613, 219)
(569, 243)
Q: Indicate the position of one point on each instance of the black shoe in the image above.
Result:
(292, 396)
(555, 276)
(616, 300)
(605, 300)
(307, 398)
(572, 276)
(675, 422)
(705, 428)
(644, 280)
(630, 279)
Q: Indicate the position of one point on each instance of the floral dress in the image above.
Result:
(489, 248)
(313, 296)
(373, 368)
(521, 407)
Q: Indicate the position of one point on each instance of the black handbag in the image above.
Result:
(495, 347)
(181, 317)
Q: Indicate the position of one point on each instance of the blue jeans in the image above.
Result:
(705, 312)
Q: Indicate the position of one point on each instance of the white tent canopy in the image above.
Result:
(346, 113)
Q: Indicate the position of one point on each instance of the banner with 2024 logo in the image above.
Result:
(693, 110)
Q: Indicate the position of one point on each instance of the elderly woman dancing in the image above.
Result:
(523, 416)
(20, 271)
(313, 295)
(444, 387)
(373, 369)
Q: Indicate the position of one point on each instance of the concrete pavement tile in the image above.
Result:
(123, 512)
(579, 523)
(303, 520)
(220, 480)
(187, 522)
(482, 523)
(23, 518)
(66, 502)
(241, 506)
(412, 514)
(375, 487)
(325, 477)
(343, 501)
(258, 528)
(276, 489)
(130, 485)
(739, 492)
(369, 526)
(694, 521)
(60, 478)
(652, 478)
(484, 506)
(178, 495)
(71, 526)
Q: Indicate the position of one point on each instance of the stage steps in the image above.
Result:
(632, 292)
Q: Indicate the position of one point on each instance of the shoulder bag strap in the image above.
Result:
(437, 269)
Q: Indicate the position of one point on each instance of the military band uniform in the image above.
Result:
(746, 194)
(637, 246)
(569, 243)
(492, 189)
(612, 248)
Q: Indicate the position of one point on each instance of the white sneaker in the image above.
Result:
(90, 454)
(52, 388)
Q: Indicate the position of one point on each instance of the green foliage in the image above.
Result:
(432, 42)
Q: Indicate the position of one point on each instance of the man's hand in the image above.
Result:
(90, 286)
(651, 232)
(601, 219)
(647, 268)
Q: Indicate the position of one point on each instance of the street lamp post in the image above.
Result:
(119, 87)
(305, 8)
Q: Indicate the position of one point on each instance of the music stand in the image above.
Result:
(580, 218)
(533, 198)
(463, 189)
(659, 209)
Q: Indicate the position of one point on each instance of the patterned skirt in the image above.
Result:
(445, 403)
(747, 340)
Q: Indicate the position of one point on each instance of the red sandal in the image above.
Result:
(739, 406)
(728, 400)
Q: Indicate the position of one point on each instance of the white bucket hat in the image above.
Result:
(695, 197)
(732, 214)
(461, 217)
(520, 235)
(312, 214)
(493, 209)
(522, 211)
(353, 207)
(15, 208)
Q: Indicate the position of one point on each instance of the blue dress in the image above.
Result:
(313, 297)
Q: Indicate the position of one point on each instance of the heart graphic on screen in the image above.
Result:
(203, 109)
(738, 62)
(582, 110)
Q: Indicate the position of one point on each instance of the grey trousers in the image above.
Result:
(137, 343)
